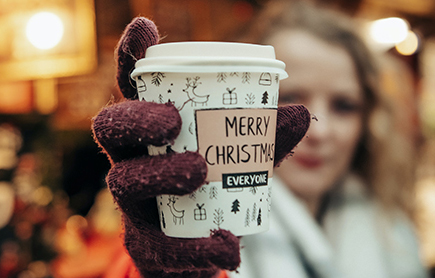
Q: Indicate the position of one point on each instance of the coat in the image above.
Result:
(358, 239)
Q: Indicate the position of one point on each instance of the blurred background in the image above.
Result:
(57, 70)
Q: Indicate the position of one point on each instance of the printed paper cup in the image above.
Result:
(227, 95)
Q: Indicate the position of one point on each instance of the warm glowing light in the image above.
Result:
(76, 224)
(42, 196)
(390, 30)
(44, 30)
(408, 46)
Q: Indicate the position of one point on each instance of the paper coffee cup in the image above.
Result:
(227, 96)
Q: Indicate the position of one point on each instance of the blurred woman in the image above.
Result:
(343, 202)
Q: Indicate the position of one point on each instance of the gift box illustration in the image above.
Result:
(230, 97)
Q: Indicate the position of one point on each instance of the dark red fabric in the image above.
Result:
(140, 34)
(136, 178)
(292, 124)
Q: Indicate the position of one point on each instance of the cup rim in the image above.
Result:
(209, 57)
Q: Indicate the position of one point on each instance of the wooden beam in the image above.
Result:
(200, 19)
(415, 7)
(142, 7)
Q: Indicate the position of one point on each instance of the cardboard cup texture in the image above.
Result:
(227, 96)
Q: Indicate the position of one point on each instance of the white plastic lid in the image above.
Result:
(209, 57)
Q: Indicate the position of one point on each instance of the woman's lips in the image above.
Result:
(309, 162)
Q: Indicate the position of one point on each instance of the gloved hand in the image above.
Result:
(125, 130)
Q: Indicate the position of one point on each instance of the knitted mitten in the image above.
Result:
(124, 131)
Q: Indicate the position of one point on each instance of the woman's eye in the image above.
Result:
(289, 98)
(346, 106)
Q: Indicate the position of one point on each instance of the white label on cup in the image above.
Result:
(230, 119)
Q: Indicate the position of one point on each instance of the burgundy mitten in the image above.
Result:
(291, 125)
(125, 130)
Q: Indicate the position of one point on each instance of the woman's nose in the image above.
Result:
(320, 127)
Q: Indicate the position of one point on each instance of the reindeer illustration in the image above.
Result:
(191, 85)
(178, 215)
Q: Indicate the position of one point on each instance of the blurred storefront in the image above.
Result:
(58, 213)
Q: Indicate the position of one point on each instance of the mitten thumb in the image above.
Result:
(292, 124)
(140, 34)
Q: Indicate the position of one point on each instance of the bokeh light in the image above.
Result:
(42, 196)
(76, 224)
(44, 30)
(390, 30)
(409, 45)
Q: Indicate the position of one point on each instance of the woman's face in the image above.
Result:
(322, 76)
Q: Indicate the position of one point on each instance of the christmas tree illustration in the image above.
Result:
(157, 78)
(213, 192)
(253, 189)
(221, 77)
(193, 195)
(254, 211)
(259, 218)
(163, 220)
(250, 99)
(246, 77)
(264, 99)
(235, 206)
(248, 218)
(218, 217)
